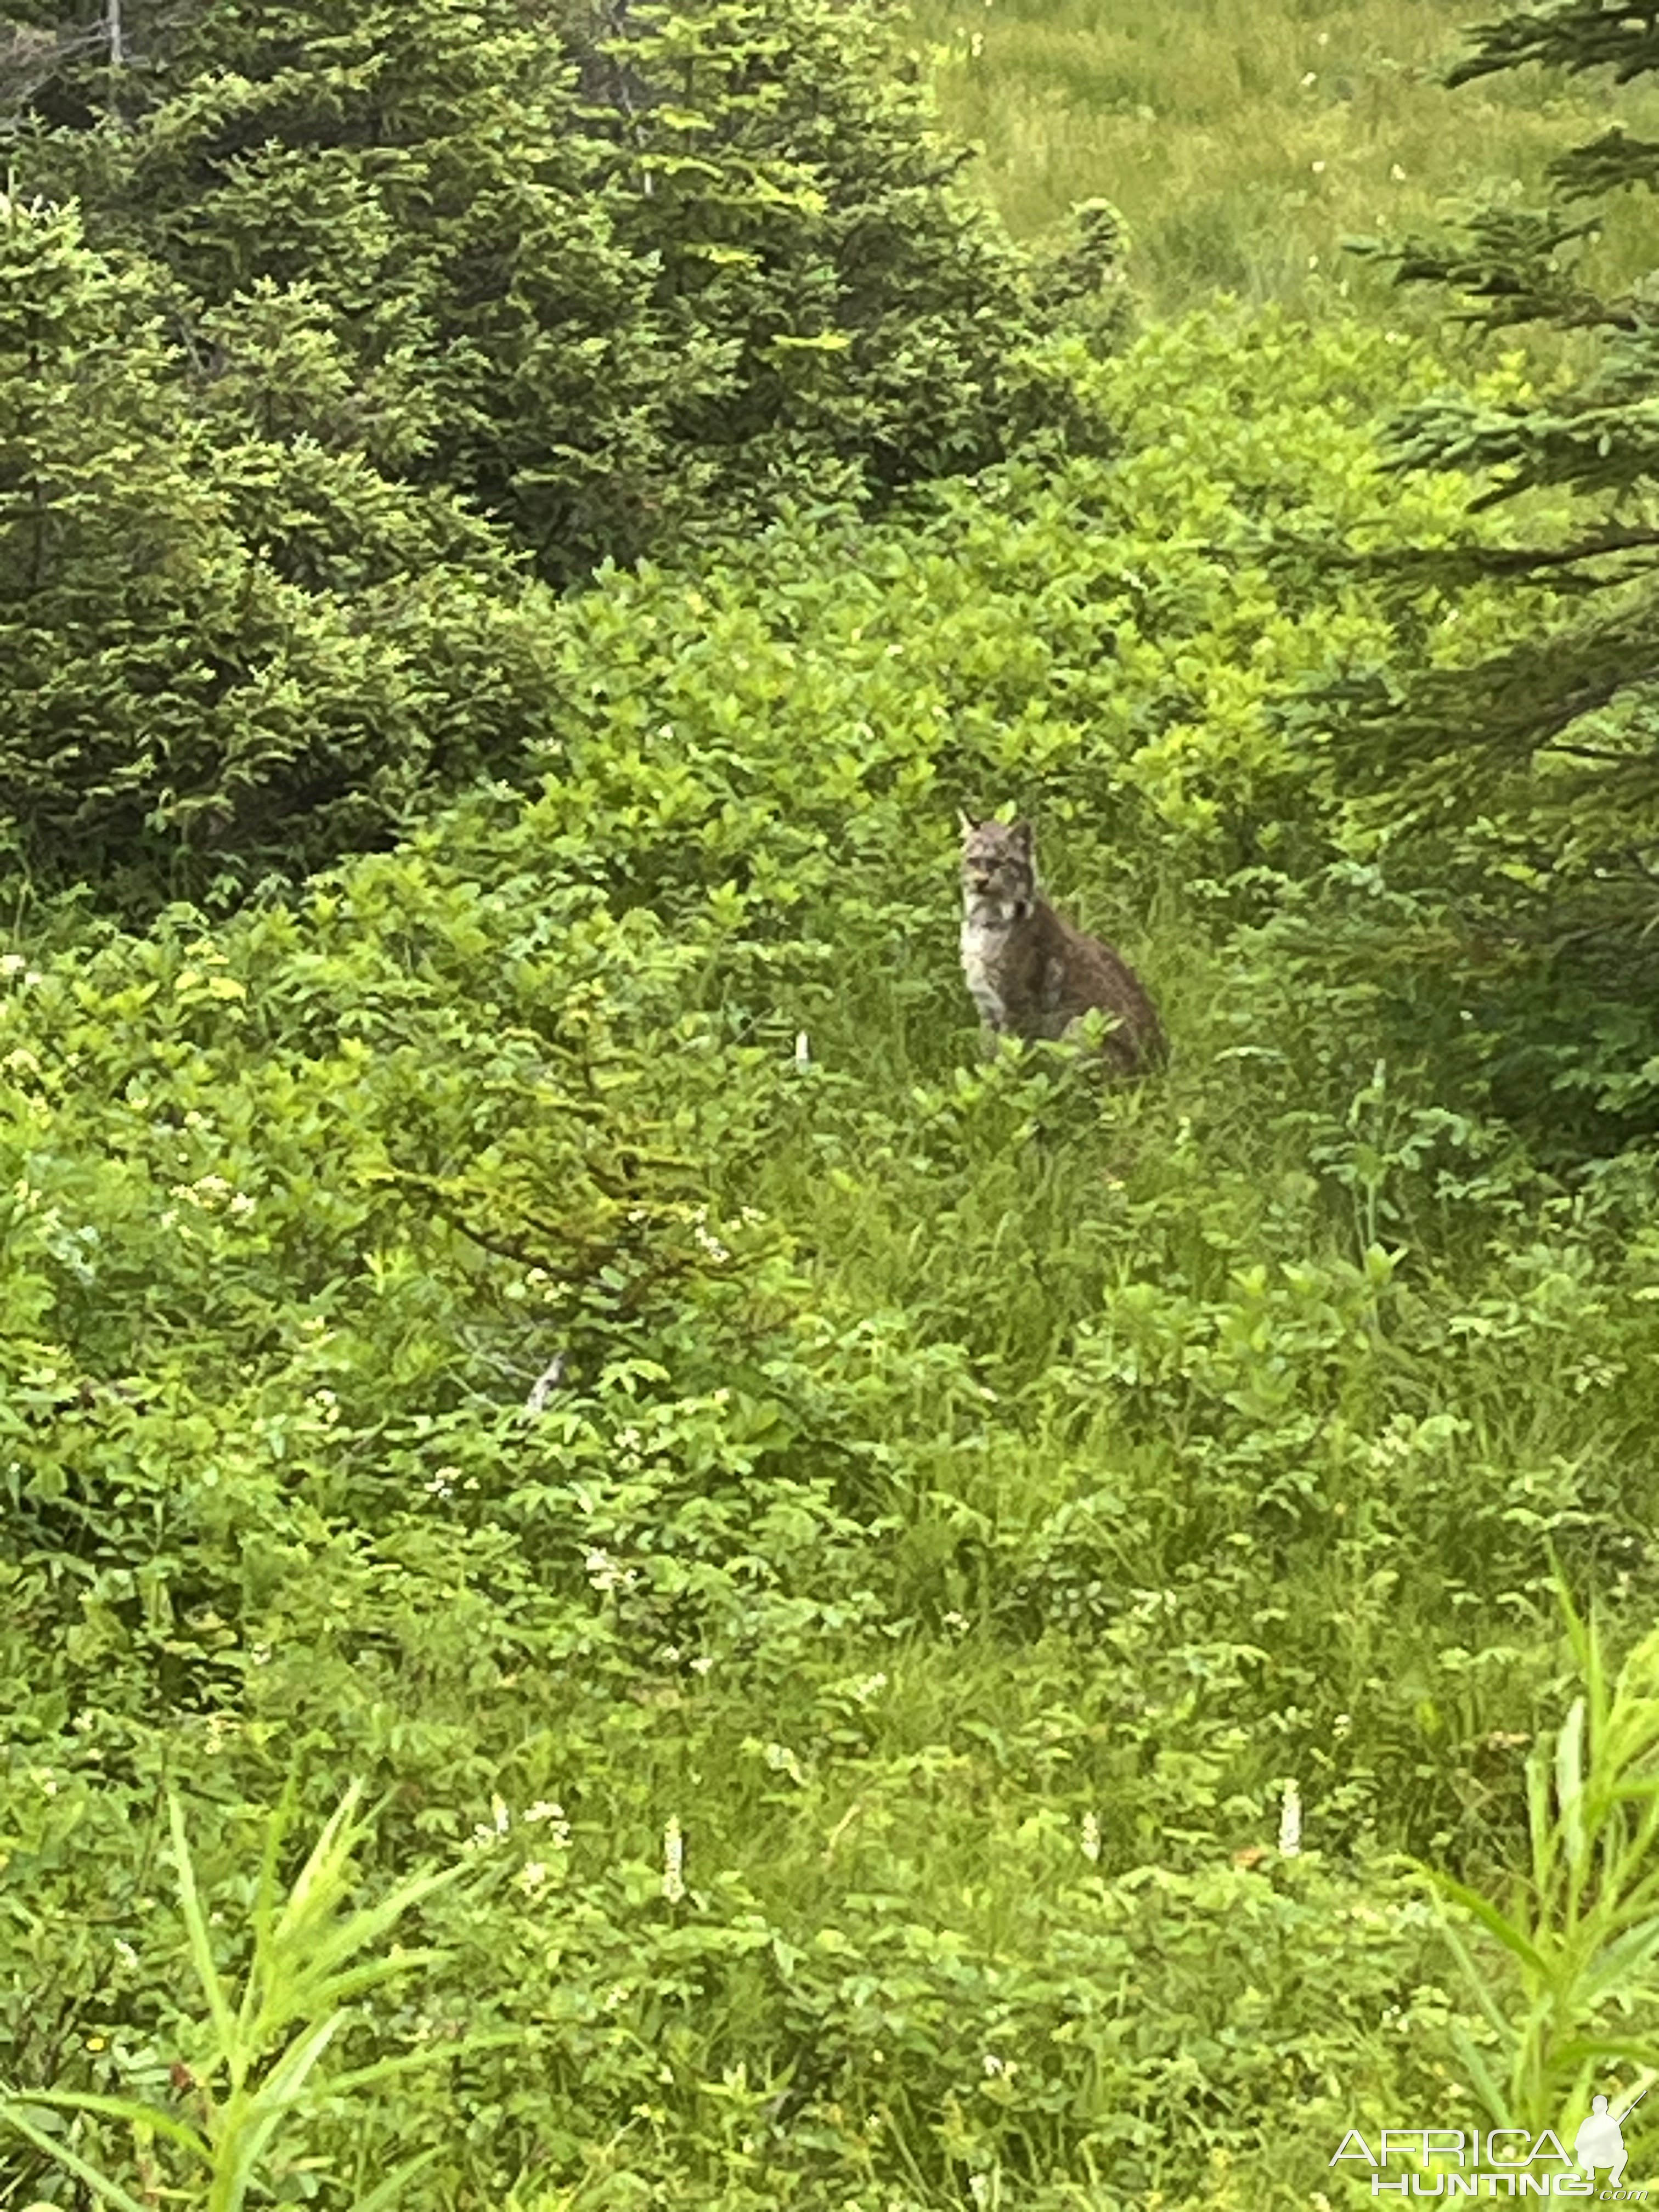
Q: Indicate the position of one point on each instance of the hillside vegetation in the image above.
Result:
(632, 1577)
(964, 1501)
(1247, 141)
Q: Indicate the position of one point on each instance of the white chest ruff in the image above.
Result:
(984, 940)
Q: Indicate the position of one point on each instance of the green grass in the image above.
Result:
(1245, 140)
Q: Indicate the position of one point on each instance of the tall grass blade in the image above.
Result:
(1512, 1938)
(387, 2192)
(201, 1943)
(127, 2109)
(1570, 1788)
(111, 2192)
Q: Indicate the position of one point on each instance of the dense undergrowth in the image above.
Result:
(555, 1321)
(853, 1625)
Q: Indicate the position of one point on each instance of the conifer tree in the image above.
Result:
(1528, 776)
(213, 642)
(373, 301)
(620, 270)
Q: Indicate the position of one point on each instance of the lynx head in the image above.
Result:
(999, 862)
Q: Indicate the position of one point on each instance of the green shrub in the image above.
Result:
(221, 649)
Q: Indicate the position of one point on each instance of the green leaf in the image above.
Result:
(111, 2192)
(229, 2053)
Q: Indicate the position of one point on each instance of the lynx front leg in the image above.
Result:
(991, 1015)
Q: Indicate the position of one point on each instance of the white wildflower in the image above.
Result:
(558, 1828)
(709, 1244)
(803, 1050)
(1290, 1822)
(531, 1877)
(1092, 1837)
(492, 1830)
(673, 1861)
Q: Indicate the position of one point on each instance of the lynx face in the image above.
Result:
(998, 862)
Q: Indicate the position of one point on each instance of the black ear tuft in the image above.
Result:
(1024, 837)
(968, 825)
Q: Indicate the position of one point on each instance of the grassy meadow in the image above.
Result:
(1245, 141)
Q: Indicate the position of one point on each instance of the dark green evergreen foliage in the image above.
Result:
(222, 643)
(1518, 775)
(363, 298)
(624, 273)
(799, 207)
(1580, 34)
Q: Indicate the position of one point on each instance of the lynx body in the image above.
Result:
(1031, 972)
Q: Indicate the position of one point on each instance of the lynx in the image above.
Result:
(1031, 973)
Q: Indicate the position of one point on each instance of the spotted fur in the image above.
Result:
(1032, 975)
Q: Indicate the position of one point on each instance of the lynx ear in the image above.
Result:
(968, 825)
(1024, 837)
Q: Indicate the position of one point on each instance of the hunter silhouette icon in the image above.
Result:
(1599, 2141)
